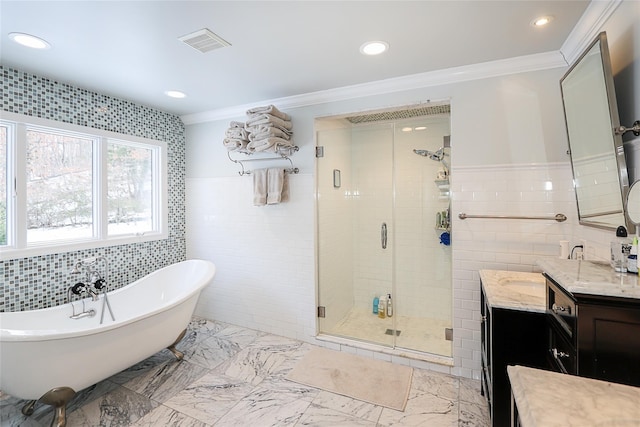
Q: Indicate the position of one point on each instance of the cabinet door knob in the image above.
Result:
(559, 354)
(557, 308)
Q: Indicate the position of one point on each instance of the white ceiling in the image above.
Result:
(130, 49)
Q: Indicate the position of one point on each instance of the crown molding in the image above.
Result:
(588, 27)
(520, 64)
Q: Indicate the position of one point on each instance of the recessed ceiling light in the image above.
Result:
(29, 41)
(407, 129)
(542, 21)
(420, 127)
(374, 48)
(175, 94)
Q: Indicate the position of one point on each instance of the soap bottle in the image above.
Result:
(389, 306)
(618, 257)
(632, 260)
(376, 302)
(382, 308)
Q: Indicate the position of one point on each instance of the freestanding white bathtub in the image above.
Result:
(42, 350)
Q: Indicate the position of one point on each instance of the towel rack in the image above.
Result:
(244, 171)
(557, 217)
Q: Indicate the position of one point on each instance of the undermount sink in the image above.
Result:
(527, 287)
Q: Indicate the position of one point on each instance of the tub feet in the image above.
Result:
(58, 398)
(29, 407)
(172, 348)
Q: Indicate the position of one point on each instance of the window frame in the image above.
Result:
(17, 245)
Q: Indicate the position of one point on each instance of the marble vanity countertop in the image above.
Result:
(546, 398)
(591, 278)
(514, 290)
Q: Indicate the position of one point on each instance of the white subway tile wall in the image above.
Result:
(266, 256)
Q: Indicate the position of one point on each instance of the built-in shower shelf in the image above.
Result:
(442, 184)
(443, 187)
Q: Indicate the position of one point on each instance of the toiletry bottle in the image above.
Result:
(389, 306)
(632, 260)
(618, 258)
(376, 301)
(382, 308)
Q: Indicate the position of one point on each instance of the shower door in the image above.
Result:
(377, 205)
(354, 261)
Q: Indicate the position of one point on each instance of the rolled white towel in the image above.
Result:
(261, 145)
(239, 133)
(269, 109)
(266, 128)
(268, 132)
(271, 145)
(285, 150)
(236, 124)
(261, 119)
(235, 144)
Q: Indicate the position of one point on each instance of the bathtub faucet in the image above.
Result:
(80, 288)
(93, 278)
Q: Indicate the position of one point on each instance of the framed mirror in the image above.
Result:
(633, 203)
(598, 162)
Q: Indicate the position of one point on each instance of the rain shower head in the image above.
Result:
(433, 155)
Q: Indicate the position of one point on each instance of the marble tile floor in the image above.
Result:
(233, 376)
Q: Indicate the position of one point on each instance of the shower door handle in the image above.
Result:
(383, 235)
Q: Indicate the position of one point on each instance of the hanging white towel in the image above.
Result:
(275, 181)
(259, 187)
(285, 188)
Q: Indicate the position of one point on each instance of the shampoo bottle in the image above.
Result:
(632, 261)
(389, 306)
(376, 301)
(382, 308)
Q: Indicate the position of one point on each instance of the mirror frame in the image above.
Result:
(616, 139)
(634, 196)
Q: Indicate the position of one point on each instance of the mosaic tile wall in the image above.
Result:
(42, 281)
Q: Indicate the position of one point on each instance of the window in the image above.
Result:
(130, 184)
(3, 185)
(59, 177)
(77, 187)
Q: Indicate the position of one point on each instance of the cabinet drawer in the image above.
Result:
(561, 354)
(562, 308)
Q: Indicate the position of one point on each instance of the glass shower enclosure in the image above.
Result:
(383, 229)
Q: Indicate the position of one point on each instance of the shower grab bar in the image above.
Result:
(557, 217)
(383, 235)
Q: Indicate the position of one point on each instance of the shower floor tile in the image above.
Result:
(248, 389)
(416, 333)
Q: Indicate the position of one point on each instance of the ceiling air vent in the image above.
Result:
(204, 40)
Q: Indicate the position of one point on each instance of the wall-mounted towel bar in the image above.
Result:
(244, 171)
(557, 217)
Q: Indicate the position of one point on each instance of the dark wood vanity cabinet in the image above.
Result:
(508, 337)
(593, 336)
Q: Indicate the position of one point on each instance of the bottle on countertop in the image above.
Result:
(376, 302)
(382, 307)
(389, 306)
(619, 258)
(632, 260)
